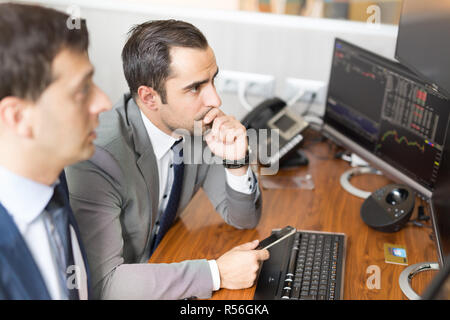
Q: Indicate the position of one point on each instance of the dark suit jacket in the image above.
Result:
(20, 277)
(115, 198)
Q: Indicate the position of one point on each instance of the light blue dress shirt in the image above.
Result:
(25, 200)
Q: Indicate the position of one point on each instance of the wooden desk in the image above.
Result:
(201, 232)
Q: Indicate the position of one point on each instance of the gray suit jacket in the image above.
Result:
(115, 196)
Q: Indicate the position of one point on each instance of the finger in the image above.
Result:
(237, 130)
(227, 132)
(211, 115)
(209, 137)
(262, 255)
(241, 131)
(230, 137)
(247, 246)
(217, 125)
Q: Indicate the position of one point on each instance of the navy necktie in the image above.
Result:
(57, 225)
(169, 213)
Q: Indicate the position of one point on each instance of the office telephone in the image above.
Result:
(274, 114)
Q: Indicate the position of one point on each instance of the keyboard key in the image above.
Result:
(313, 292)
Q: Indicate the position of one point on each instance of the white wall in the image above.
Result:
(283, 46)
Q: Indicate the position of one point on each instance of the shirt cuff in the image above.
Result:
(244, 184)
(215, 274)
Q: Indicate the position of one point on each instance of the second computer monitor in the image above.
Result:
(383, 112)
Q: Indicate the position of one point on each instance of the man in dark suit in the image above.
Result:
(49, 109)
(147, 168)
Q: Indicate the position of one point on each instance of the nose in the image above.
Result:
(211, 98)
(100, 102)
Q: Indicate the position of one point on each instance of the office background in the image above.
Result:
(274, 44)
(280, 45)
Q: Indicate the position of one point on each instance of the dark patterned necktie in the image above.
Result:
(56, 221)
(169, 213)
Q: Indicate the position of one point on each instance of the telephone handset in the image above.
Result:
(258, 117)
(274, 114)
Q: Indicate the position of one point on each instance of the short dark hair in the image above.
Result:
(30, 38)
(146, 55)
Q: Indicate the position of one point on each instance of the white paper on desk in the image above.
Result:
(287, 182)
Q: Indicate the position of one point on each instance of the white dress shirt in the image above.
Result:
(162, 143)
(25, 200)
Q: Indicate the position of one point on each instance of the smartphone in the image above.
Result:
(276, 237)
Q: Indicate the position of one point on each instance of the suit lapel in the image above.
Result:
(146, 162)
(20, 277)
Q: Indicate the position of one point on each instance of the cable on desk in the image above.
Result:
(421, 216)
(308, 107)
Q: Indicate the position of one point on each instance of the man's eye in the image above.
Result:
(84, 92)
(195, 89)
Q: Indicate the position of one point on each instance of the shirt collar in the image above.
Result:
(161, 141)
(24, 199)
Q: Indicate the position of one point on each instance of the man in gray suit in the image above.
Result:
(144, 173)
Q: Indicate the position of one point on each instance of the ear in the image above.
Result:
(15, 115)
(149, 97)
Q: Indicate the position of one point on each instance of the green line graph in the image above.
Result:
(399, 140)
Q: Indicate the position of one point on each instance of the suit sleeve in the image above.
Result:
(98, 201)
(238, 209)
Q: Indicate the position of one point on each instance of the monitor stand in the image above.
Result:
(347, 175)
(406, 276)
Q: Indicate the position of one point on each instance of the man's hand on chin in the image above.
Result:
(227, 138)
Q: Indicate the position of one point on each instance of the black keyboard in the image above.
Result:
(305, 266)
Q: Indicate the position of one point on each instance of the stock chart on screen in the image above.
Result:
(388, 110)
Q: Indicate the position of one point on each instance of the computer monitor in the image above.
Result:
(383, 112)
(423, 46)
(422, 42)
(440, 206)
